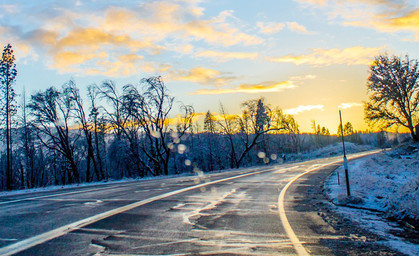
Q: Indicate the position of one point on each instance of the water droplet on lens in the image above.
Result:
(261, 154)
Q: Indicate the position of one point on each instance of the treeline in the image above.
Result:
(59, 137)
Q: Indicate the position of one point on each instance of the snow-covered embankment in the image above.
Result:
(386, 183)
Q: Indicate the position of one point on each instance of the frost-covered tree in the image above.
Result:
(81, 117)
(257, 119)
(348, 129)
(52, 111)
(8, 106)
(393, 90)
(210, 129)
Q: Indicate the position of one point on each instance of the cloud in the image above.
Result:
(125, 65)
(306, 77)
(382, 15)
(66, 59)
(274, 27)
(162, 20)
(349, 105)
(269, 86)
(94, 38)
(9, 8)
(73, 38)
(312, 2)
(303, 108)
(357, 55)
(270, 27)
(203, 76)
(294, 26)
(225, 56)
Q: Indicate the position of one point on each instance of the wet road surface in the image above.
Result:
(230, 213)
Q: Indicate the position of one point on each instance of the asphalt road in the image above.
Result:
(253, 211)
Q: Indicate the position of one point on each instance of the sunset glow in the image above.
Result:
(308, 57)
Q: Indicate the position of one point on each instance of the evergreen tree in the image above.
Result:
(8, 74)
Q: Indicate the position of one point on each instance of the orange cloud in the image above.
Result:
(270, 86)
(75, 41)
(125, 65)
(163, 19)
(324, 57)
(203, 76)
(67, 59)
(382, 15)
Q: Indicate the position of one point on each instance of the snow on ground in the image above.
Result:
(86, 184)
(388, 183)
(330, 150)
(334, 149)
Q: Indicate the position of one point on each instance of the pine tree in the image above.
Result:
(8, 74)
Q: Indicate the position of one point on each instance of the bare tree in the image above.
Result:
(289, 125)
(51, 110)
(8, 106)
(27, 146)
(393, 93)
(116, 115)
(93, 93)
(81, 117)
(228, 126)
(257, 119)
(155, 110)
(210, 129)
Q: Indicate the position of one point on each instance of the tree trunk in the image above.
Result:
(9, 172)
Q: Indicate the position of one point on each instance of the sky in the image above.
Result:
(308, 57)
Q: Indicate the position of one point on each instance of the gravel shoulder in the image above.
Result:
(340, 234)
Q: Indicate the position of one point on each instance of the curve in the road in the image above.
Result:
(298, 246)
(44, 237)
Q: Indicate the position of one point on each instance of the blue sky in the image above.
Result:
(308, 57)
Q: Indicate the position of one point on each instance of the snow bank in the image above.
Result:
(387, 182)
(334, 149)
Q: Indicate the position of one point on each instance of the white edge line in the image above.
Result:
(299, 248)
(60, 194)
(44, 237)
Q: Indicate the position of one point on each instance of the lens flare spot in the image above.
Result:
(155, 134)
(181, 148)
(171, 146)
(261, 154)
(174, 134)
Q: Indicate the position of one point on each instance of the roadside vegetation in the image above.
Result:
(56, 136)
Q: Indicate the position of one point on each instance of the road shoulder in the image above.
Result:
(320, 227)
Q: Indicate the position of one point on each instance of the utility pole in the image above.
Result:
(345, 161)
